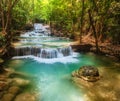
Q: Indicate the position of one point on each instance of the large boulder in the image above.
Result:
(88, 73)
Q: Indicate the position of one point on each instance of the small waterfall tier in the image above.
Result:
(40, 44)
(43, 52)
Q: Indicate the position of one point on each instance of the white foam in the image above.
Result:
(67, 59)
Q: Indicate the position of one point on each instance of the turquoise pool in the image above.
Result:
(51, 79)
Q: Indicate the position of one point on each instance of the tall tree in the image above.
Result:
(6, 7)
(81, 20)
(94, 31)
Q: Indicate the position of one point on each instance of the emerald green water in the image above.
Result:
(52, 81)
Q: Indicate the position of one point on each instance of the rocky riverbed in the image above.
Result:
(12, 88)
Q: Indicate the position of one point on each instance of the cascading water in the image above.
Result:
(49, 71)
(43, 52)
(38, 43)
(47, 61)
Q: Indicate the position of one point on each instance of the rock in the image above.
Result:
(7, 97)
(26, 97)
(3, 78)
(82, 47)
(88, 73)
(14, 90)
(3, 85)
(28, 26)
(13, 74)
(21, 82)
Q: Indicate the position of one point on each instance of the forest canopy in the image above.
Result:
(70, 18)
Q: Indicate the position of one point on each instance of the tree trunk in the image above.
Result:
(94, 31)
(51, 28)
(6, 7)
(81, 21)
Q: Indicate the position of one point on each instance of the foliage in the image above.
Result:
(70, 17)
(114, 22)
(21, 14)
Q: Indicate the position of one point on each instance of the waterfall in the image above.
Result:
(22, 51)
(37, 43)
(66, 51)
(43, 52)
(39, 28)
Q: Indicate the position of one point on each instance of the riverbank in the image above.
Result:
(106, 48)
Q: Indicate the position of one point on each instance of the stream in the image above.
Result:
(48, 62)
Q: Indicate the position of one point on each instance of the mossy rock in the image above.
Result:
(88, 73)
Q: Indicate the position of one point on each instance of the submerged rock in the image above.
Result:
(21, 82)
(88, 73)
(14, 90)
(7, 97)
(26, 97)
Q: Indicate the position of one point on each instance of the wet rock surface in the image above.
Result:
(12, 89)
(7, 97)
(25, 97)
(88, 73)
